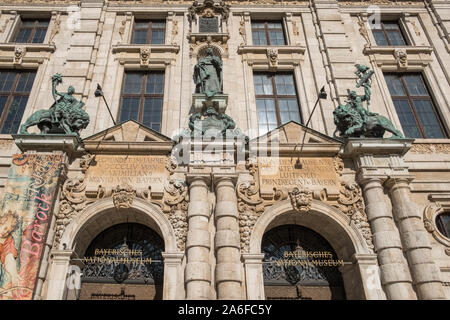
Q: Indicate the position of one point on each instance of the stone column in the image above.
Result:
(58, 274)
(254, 279)
(227, 240)
(415, 240)
(172, 282)
(198, 244)
(395, 276)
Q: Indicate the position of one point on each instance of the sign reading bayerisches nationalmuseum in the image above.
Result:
(26, 210)
(316, 173)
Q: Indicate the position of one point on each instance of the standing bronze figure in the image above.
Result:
(208, 74)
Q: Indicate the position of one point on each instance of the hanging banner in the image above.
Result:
(26, 210)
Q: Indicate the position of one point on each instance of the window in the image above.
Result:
(389, 34)
(276, 100)
(443, 223)
(268, 33)
(15, 87)
(142, 98)
(414, 106)
(31, 31)
(149, 32)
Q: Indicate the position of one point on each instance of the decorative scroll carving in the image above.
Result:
(339, 165)
(123, 196)
(210, 41)
(175, 206)
(251, 205)
(86, 161)
(351, 203)
(73, 200)
(19, 54)
(209, 8)
(301, 199)
(429, 219)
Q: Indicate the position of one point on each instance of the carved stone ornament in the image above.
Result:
(73, 201)
(351, 203)
(429, 219)
(401, 57)
(145, 56)
(363, 31)
(19, 54)
(301, 199)
(208, 9)
(175, 206)
(123, 197)
(251, 205)
(428, 148)
(56, 29)
(272, 56)
(86, 161)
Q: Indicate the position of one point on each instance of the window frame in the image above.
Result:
(267, 30)
(33, 30)
(386, 37)
(149, 30)
(142, 95)
(12, 94)
(440, 225)
(275, 95)
(411, 98)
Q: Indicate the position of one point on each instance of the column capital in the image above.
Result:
(61, 255)
(392, 183)
(221, 177)
(364, 179)
(172, 257)
(194, 177)
(253, 258)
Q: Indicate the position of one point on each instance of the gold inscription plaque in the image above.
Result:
(136, 171)
(282, 173)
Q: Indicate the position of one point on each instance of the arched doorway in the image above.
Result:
(300, 264)
(123, 262)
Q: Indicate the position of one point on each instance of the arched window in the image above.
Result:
(300, 264)
(124, 257)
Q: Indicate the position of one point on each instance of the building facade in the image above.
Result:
(282, 207)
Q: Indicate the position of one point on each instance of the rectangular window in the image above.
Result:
(31, 31)
(142, 98)
(276, 100)
(15, 88)
(268, 33)
(414, 106)
(389, 34)
(149, 32)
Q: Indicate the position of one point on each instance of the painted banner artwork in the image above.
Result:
(26, 210)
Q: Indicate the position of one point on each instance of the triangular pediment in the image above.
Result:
(293, 132)
(290, 137)
(129, 131)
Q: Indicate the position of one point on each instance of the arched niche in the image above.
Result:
(335, 227)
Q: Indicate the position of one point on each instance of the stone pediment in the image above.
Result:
(290, 136)
(130, 137)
